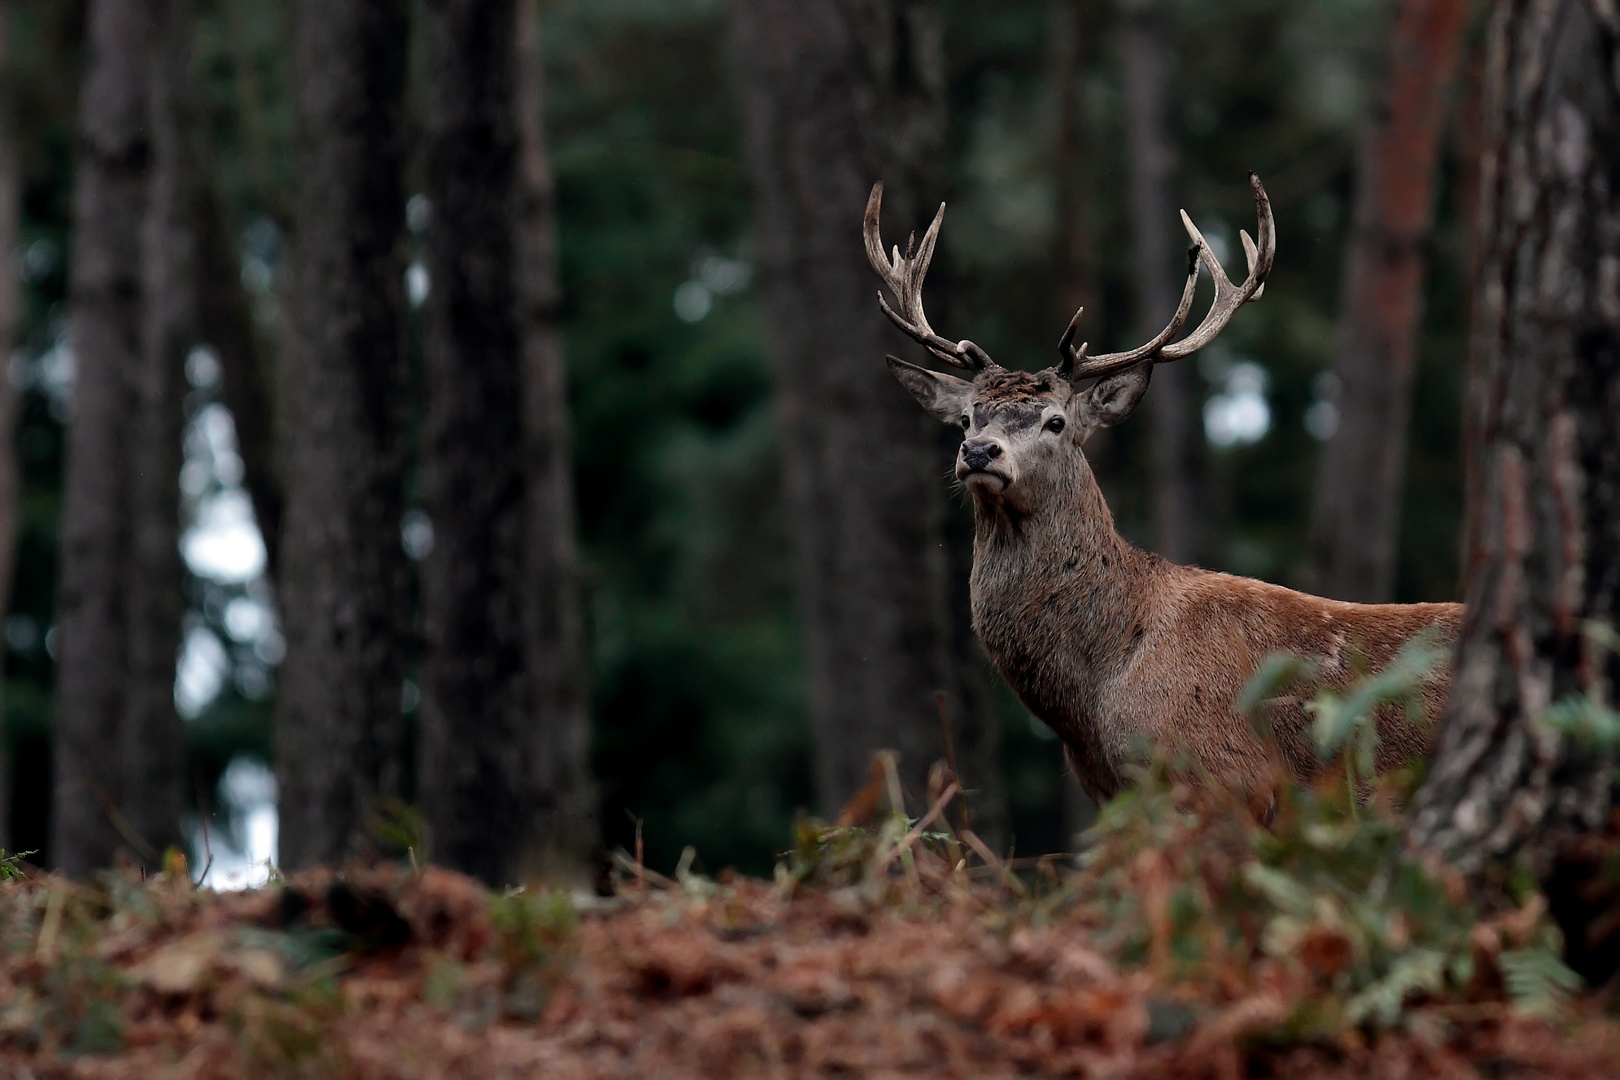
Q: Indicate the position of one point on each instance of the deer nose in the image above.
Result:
(979, 453)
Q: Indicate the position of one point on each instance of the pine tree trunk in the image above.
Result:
(1356, 518)
(502, 717)
(343, 570)
(1152, 159)
(1075, 275)
(104, 291)
(151, 744)
(837, 95)
(10, 315)
(560, 809)
(1543, 554)
(1074, 279)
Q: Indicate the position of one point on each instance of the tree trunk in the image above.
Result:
(560, 811)
(225, 322)
(1075, 275)
(151, 744)
(1356, 518)
(10, 316)
(502, 717)
(1074, 279)
(1543, 554)
(104, 290)
(343, 570)
(1152, 159)
(838, 94)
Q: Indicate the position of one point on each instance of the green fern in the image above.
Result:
(1277, 672)
(1537, 980)
(1586, 721)
(1418, 971)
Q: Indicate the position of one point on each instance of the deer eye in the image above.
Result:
(966, 423)
(1055, 424)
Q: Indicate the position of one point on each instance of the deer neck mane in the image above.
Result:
(1059, 597)
(1061, 530)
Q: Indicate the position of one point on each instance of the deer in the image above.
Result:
(1112, 647)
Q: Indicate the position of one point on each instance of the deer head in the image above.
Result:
(1017, 426)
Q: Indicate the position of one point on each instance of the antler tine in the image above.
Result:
(1228, 298)
(1076, 366)
(903, 275)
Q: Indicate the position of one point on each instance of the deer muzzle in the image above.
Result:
(976, 461)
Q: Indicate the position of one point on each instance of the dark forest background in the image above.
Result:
(700, 715)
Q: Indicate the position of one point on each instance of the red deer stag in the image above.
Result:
(1107, 644)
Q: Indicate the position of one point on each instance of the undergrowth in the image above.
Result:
(1320, 910)
(1313, 929)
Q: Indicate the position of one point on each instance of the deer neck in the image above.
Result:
(1059, 597)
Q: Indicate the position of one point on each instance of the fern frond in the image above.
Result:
(1537, 980)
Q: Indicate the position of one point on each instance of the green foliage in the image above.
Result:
(1539, 981)
(1587, 721)
(11, 868)
(535, 941)
(1277, 672)
(826, 855)
(400, 831)
(1345, 723)
(1326, 898)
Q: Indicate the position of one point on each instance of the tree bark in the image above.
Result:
(838, 94)
(339, 728)
(1071, 251)
(502, 716)
(560, 811)
(10, 316)
(1543, 553)
(1152, 160)
(1075, 273)
(1356, 517)
(104, 290)
(151, 745)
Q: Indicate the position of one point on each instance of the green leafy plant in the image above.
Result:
(535, 941)
(11, 864)
(1324, 900)
(1344, 723)
(1585, 720)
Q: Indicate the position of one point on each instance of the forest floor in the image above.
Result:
(1188, 942)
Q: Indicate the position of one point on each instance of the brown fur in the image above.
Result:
(1109, 645)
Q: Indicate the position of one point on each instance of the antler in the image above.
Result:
(1228, 298)
(904, 278)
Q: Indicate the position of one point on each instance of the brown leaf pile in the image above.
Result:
(383, 973)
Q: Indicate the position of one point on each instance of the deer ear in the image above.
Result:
(1112, 399)
(944, 396)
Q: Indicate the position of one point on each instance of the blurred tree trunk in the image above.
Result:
(1075, 271)
(1543, 555)
(502, 761)
(114, 155)
(837, 94)
(151, 744)
(225, 322)
(1071, 252)
(561, 808)
(10, 317)
(343, 573)
(1152, 159)
(1356, 517)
